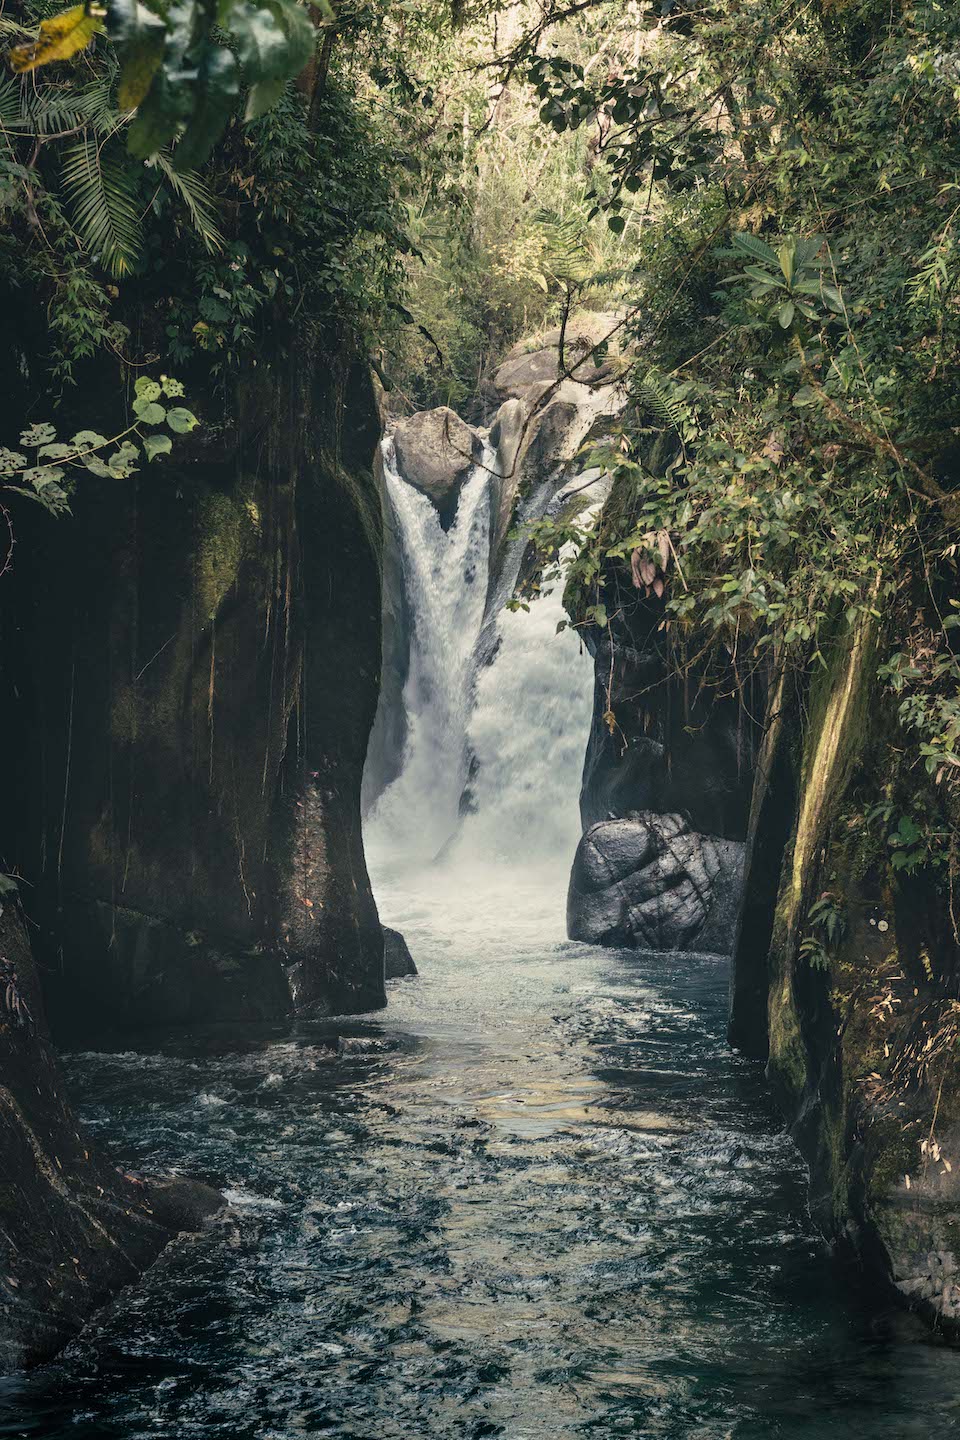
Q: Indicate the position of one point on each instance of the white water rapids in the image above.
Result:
(523, 719)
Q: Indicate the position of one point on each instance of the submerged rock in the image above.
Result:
(436, 451)
(397, 960)
(649, 881)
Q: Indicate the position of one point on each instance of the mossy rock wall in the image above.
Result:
(191, 666)
(861, 1025)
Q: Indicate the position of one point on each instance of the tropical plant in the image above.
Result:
(181, 66)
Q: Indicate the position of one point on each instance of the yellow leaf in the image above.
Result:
(60, 37)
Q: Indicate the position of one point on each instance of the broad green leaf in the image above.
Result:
(141, 38)
(785, 314)
(11, 461)
(156, 445)
(87, 440)
(756, 247)
(181, 421)
(41, 434)
(60, 37)
(158, 118)
(146, 389)
(217, 92)
(149, 412)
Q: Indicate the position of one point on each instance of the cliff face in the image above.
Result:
(847, 971)
(190, 667)
(190, 671)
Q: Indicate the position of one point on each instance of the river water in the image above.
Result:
(537, 1197)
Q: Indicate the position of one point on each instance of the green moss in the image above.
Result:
(224, 525)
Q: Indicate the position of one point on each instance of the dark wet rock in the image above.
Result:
(367, 1045)
(436, 451)
(179, 1203)
(211, 655)
(397, 960)
(648, 881)
(73, 1229)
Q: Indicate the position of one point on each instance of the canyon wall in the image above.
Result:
(846, 971)
(190, 673)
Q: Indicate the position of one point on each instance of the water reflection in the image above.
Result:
(538, 1198)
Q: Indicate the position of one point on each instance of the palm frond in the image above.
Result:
(102, 192)
(199, 202)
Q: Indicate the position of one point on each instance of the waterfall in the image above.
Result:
(518, 704)
(445, 573)
(528, 732)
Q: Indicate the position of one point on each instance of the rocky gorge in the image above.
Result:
(205, 865)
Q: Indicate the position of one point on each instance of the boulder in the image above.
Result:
(436, 451)
(650, 882)
(526, 377)
(397, 960)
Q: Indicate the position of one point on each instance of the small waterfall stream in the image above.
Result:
(445, 574)
(486, 802)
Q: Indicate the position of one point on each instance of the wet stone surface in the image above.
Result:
(538, 1198)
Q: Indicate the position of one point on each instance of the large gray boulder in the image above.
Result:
(436, 451)
(650, 882)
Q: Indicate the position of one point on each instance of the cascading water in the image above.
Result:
(445, 575)
(523, 718)
(536, 1197)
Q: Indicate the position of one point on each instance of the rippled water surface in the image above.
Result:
(537, 1198)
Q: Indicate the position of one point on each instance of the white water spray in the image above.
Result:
(445, 575)
(523, 718)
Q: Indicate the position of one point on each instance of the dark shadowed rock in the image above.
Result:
(436, 451)
(179, 1203)
(211, 658)
(73, 1228)
(397, 960)
(649, 881)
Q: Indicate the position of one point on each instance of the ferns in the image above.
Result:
(652, 392)
(190, 188)
(103, 186)
(102, 190)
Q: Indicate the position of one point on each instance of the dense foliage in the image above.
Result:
(787, 468)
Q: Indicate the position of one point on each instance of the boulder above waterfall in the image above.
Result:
(533, 366)
(650, 882)
(436, 451)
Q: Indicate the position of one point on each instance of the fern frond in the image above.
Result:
(192, 190)
(652, 391)
(11, 114)
(102, 192)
